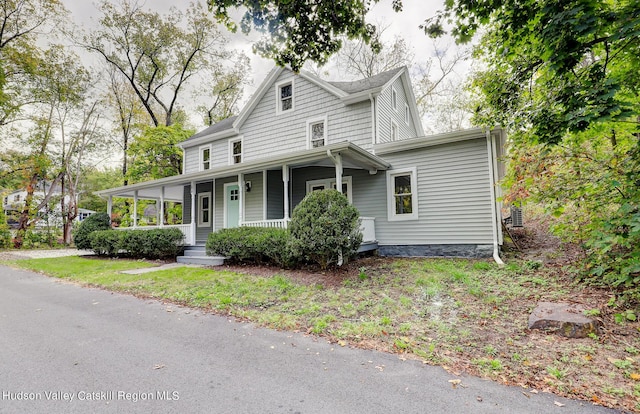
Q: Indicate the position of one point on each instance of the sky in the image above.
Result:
(405, 24)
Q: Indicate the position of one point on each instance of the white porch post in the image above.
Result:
(285, 180)
(193, 211)
(161, 220)
(110, 207)
(135, 209)
(338, 161)
(240, 199)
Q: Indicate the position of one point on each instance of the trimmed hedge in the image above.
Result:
(252, 245)
(149, 244)
(95, 222)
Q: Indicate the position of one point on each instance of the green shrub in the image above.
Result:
(95, 222)
(105, 242)
(149, 244)
(251, 245)
(325, 228)
(5, 233)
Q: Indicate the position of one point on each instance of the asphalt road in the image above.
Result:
(68, 349)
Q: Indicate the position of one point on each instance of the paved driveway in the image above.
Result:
(67, 349)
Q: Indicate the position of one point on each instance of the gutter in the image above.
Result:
(494, 209)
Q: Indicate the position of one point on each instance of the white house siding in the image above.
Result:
(266, 134)
(386, 113)
(453, 197)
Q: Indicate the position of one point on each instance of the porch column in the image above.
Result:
(161, 220)
(338, 161)
(193, 211)
(285, 180)
(240, 199)
(135, 209)
(110, 207)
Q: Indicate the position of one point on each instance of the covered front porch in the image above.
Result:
(260, 193)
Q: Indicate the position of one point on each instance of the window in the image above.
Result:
(235, 151)
(317, 185)
(317, 133)
(204, 210)
(394, 131)
(394, 99)
(402, 198)
(284, 97)
(205, 158)
(407, 116)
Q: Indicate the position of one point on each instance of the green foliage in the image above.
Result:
(5, 234)
(325, 228)
(154, 154)
(300, 30)
(105, 242)
(95, 222)
(149, 244)
(553, 66)
(252, 245)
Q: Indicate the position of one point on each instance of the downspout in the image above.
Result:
(373, 121)
(494, 210)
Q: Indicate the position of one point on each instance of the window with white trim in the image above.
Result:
(317, 133)
(402, 194)
(235, 151)
(394, 98)
(407, 116)
(204, 210)
(284, 97)
(317, 185)
(205, 157)
(394, 131)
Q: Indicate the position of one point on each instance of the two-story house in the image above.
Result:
(418, 195)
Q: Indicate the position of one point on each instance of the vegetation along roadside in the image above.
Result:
(468, 316)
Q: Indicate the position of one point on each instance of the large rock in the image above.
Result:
(565, 319)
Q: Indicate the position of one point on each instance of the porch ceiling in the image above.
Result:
(352, 157)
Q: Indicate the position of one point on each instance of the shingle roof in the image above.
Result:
(373, 82)
(217, 127)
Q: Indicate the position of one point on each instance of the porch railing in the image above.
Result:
(279, 223)
(367, 226)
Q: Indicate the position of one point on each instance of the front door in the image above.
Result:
(231, 205)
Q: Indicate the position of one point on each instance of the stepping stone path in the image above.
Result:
(565, 319)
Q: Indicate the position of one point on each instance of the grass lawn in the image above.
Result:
(465, 315)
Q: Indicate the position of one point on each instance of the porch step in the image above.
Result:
(197, 255)
(201, 260)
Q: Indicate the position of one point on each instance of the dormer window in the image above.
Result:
(317, 133)
(284, 96)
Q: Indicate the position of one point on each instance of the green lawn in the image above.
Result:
(465, 315)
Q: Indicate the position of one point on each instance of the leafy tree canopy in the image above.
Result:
(300, 30)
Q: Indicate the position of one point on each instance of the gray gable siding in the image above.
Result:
(266, 134)
(453, 197)
(386, 113)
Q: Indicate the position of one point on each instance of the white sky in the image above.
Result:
(405, 24)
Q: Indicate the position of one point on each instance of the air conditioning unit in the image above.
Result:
(516, 217)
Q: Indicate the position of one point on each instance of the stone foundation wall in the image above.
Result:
(474, 251)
